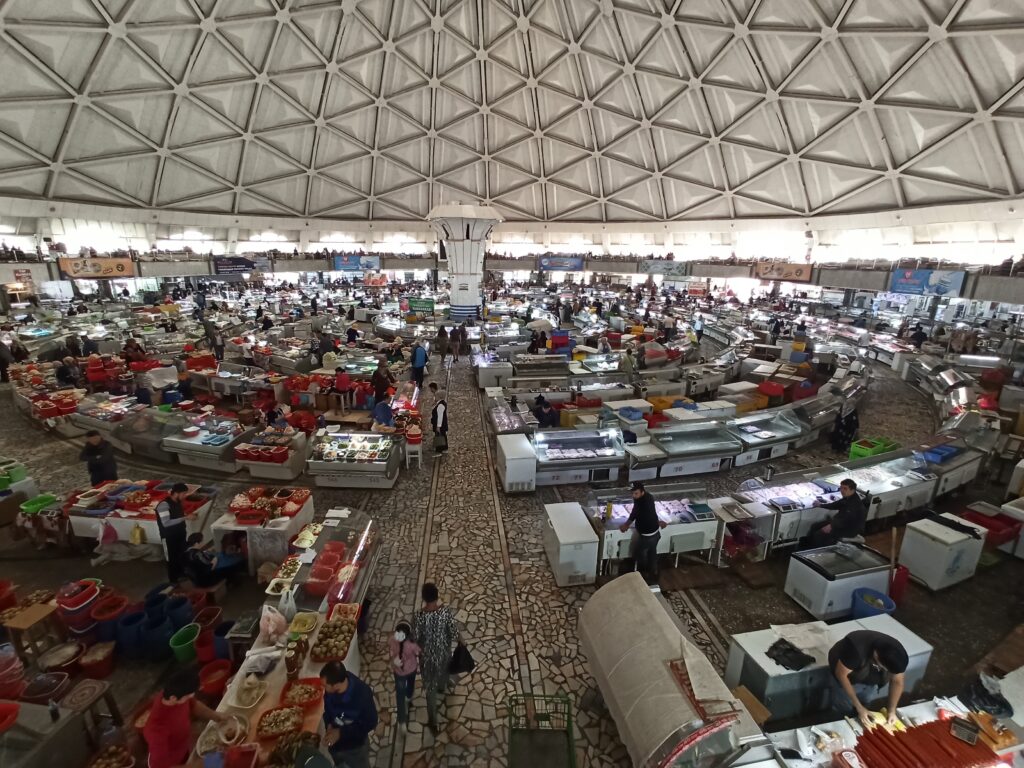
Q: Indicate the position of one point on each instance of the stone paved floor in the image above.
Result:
(450, 522)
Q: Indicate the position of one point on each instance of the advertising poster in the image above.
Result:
(353, 262)
(663, 267)
(927, 282)
(421, 306)
(779, 270)
(562, 263)
(237, 265)
(99, 268)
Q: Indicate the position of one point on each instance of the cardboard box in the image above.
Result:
(758, 711)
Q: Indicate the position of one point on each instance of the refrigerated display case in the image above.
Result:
(212, 447)
(490, 371)
(823, 580)
(540, 365)
(145, 431)
(896, 483)
(691, 524)
(765, 435)
(608, 363)
(695, 448)
(794, 499)
(391, 327)
(248, 454)
(578, 456)
(354, 460)
(506, 420)
(818, 413)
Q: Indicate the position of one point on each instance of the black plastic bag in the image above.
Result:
(462, 661)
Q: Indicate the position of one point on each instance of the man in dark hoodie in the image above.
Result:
(98, 456)
(350, 715)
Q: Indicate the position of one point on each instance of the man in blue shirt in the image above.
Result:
(418, 363)
(350, 715)
(382, 413)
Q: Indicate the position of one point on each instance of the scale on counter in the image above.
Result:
(701, 513)
(785, 504)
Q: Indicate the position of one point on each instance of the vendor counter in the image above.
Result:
(791, 693)
(268, 541)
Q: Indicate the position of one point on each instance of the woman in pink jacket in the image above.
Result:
(405, 663)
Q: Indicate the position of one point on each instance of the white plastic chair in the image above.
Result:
(411, 450)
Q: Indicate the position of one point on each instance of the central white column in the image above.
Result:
(464, 230)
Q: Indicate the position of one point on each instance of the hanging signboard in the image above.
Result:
(562, 263)
(237, 265)
(663, 267)
(927, 282)
(353, 262)
(780, 270)
(376, 280)
(99, 268)
(421, 306)
(24, 276)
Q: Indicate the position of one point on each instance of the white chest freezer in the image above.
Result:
(938, 556)
(516, 463)
(571, 544)
(823, 580)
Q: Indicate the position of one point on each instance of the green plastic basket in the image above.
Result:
(39, 503)
(16, 472)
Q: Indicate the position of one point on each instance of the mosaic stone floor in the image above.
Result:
(450, 523)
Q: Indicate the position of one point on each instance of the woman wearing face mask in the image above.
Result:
(405, 663)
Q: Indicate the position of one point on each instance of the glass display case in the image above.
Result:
(507, 420)
(207, 441)
(819, 411)
(691, 525)
(496, 333)
(701, 439)
(572, 456)
(145, 431)
(547, 365)
(608, 363)
(354, 460)
(765, 435)
(896, 483)
(390, 326)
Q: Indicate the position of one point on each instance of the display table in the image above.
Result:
(792, 693)
(267, 542)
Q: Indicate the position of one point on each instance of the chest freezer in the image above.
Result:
(823, 580)
(571, 544)
(516, 463)
(939, 556)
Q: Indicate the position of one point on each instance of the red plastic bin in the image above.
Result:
(1001, 528)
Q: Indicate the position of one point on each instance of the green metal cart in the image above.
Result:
(540, 732)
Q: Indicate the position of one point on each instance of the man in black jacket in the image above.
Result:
(171, 521)
(846, 523)
(649, 526)
(98, 456)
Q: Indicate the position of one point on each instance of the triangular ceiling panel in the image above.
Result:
(622, 110)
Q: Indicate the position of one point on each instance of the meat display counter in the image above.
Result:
(794, 501)
(358, 365)
(490, 370)
(695, 448)
(691, 524)
(896, 483)
(819, 414)
(577, 456)
(354, 460)
(540, 365)
(765, 436)
(508, 420)
(494, 333)
(145, 431)
(391, 327)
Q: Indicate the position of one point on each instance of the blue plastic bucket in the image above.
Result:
(129, 635)
(220, 639)
(156, 636)
(156, 606)
(862, 608)
(179, 611)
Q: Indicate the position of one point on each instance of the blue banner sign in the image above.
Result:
(353, 262)
(562, 263)
(927, 282)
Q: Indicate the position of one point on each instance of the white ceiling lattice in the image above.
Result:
(549, 110)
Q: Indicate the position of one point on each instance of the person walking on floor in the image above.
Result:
(350, 715)
(441, 342)
(98, 456)
(439, 420)
(648, 525)
(455, 342)
(418, 363)
(436, 632)
(405, 663)
(170, 520)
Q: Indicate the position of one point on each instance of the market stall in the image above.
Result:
(354, 460)
(268, 517)
(578, 456)
(273, 453)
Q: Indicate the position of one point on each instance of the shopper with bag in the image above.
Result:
(439, 421)
(405, 663)
(435, 631)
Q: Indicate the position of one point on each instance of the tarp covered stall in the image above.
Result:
(644, 664)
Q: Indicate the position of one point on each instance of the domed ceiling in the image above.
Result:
(549, 110)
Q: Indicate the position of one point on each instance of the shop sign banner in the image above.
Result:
(562, 263)
(376, 280)
(421, 306)
(663, 267)
(23, 276)
(927, 282)
(100, 268)
(777, 270)
(236, 265)
(353, 262)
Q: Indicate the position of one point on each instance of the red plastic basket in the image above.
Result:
(9, 711)
(312, 703)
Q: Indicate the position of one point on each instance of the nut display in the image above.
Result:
(288, 747)
(301, 694)
(289, 568)
(277, 722)
(112, 757)
(333, 639)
